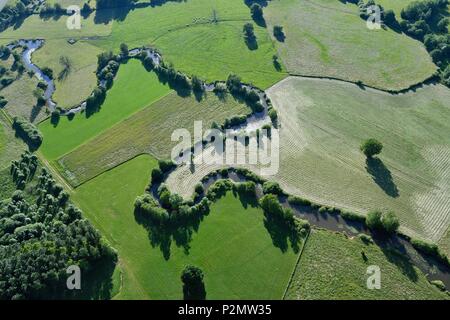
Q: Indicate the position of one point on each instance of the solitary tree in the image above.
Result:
(385, 222)
(124, 50)
(371, 147)
(193, 285)
(373, 220)
(390, 222)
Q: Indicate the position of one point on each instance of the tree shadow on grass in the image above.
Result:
(106, 15)
(251, 42)
(96, 284)
(382, 176)
(282, 235)
(35, 111)
(247, 199)
(179, 232)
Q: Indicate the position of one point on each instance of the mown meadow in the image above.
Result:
(333, 267)
(327, 38)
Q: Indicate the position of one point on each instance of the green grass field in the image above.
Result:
(147, 131)
(133, 89)
(81, 80)
(185, 36)
(231, 245)
(34, 27)
(332, 267)
(328, 38)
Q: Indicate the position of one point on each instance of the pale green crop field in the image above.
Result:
(21, 100)
(35, 27)
(10, 147)
(147, 131)
(231, 245)
(328, 38)
(133, 89)
(320, 158)
(332, 267)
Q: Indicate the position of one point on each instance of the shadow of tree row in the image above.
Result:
(179, 232)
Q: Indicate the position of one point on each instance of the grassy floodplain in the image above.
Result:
(332, 267)
(10, 147)
(185, 35)
(147, 131)
(133, 89)
(81, 80)
(169, 28)
(231, 244)
(328, 38)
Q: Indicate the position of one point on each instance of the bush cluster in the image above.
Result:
(27, 132)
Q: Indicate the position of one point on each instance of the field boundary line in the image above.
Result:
(431, 80)
(117, 165)
(295, 266)
(112, 126)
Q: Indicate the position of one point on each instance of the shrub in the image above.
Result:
(439, 284)
(166, 165)
(351, 216)
(148, 208)
(28, 132)
(294, 200)
(373, 220)
(157, 175)
(218, 189)
(193, 285)
(272, 187)
(390, 222)
(247, 188)
(385, 222)
(199, 188)
(430, 249)
(272, 208)
(273, 115)
(365, 238)
(371, 147)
